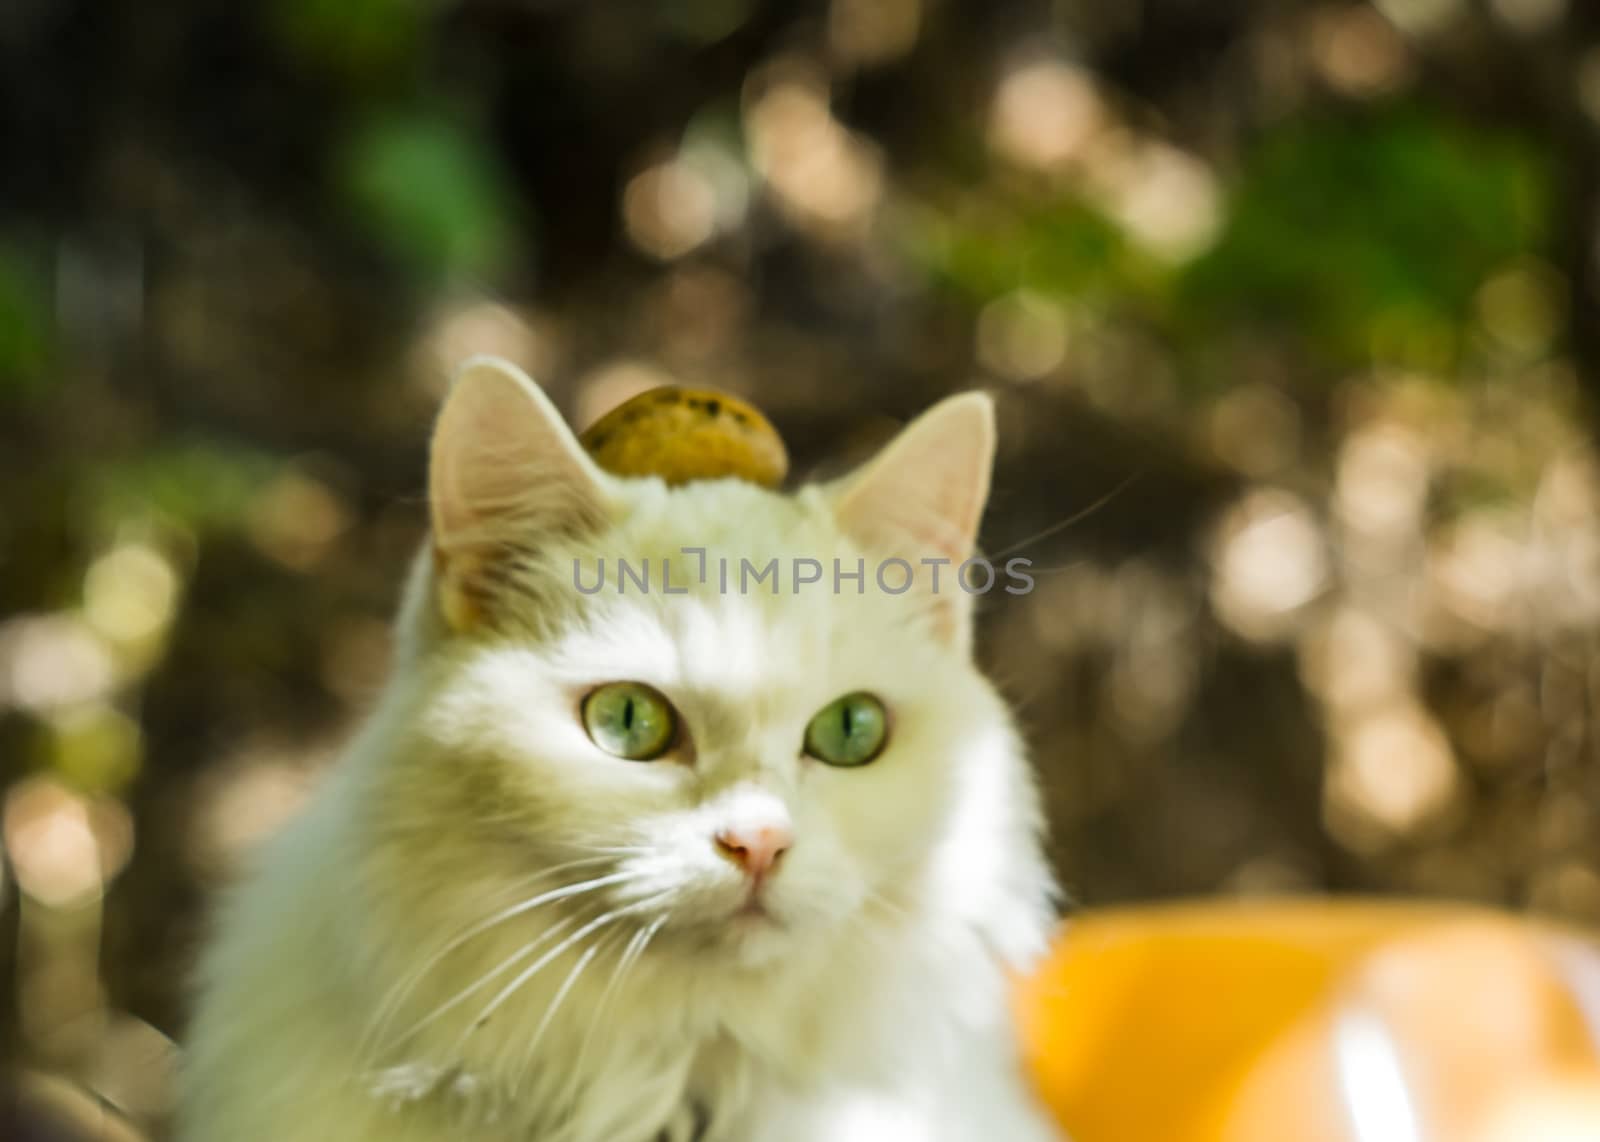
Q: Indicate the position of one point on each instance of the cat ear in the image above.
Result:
(504, 470)
(923, 495)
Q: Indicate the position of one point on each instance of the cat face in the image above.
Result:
(742, 768)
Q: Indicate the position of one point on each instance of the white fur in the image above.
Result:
(874, 1007)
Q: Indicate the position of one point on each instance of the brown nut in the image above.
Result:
(682, 434)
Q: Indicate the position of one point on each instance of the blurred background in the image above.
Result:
(1290, 307)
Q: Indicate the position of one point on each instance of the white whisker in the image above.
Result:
(538, 965)
(403, 989)
(482, 981)
(556, 1001)
(892, 907)
(630, 955)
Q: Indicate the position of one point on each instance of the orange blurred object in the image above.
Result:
(1317, 1021)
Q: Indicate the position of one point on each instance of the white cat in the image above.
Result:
(791, 919)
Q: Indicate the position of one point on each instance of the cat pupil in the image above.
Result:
(627, 714)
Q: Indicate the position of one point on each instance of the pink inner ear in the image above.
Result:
(924, 493)
(503, 458)
(930, 532)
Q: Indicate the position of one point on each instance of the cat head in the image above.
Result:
(724, 708)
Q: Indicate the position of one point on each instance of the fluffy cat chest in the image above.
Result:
(655, 1091)
(647, 1086)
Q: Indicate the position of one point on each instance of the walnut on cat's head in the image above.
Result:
(682, 434)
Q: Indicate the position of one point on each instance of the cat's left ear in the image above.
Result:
(923, 495)
(504, 472)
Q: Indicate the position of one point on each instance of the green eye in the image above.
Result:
(850, 731)
(630, 720)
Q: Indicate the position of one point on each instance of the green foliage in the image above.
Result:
(432, 194)
(1062, 247)
(1371, 235)
(702, 21)
(203, 484)
(365, 41)
(24, 329)
(1363, 238)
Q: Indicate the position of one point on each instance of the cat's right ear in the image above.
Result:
(504, 470)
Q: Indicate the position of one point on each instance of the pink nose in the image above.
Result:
(754, 848)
